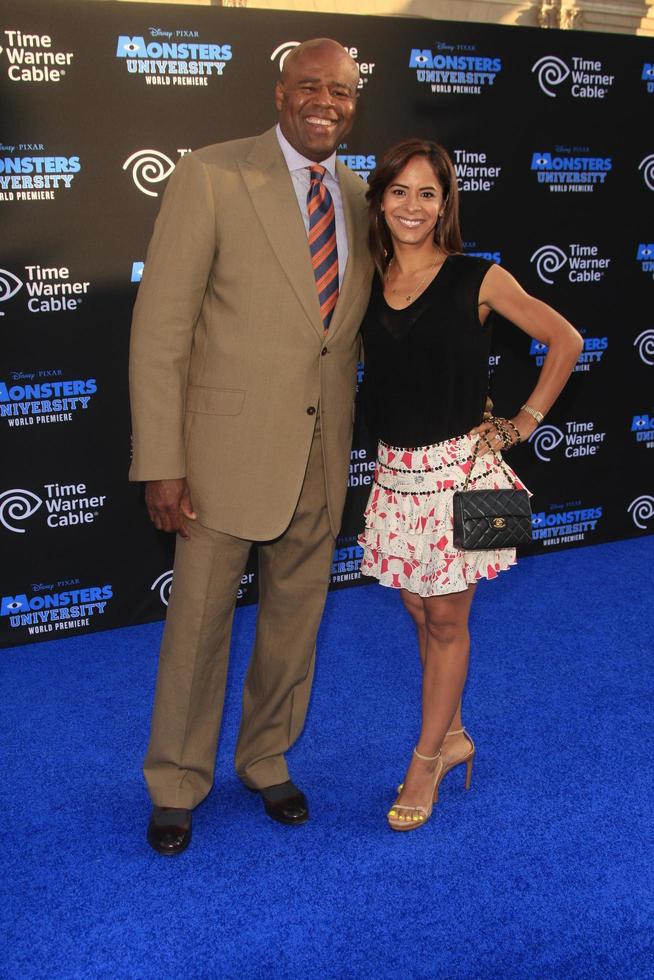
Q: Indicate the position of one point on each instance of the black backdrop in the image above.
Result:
(551, 132)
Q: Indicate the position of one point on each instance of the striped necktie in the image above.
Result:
(322, 242)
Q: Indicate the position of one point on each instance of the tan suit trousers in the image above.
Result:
(293, 578)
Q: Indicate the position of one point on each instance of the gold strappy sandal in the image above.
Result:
(402, 817)
(468, 758)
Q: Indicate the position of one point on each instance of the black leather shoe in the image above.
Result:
(169, 830)
(285, 803)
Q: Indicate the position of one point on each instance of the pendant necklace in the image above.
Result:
(407, 297)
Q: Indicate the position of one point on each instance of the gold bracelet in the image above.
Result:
(518, 437)
(535, 414)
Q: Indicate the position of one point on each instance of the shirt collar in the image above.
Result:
(295, 160)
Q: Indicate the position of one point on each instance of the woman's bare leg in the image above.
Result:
(456, 746)
(447, 646)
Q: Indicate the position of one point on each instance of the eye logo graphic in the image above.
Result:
(9, 286)
(641, 509)
(283, 50)
(548, 259)
(647, 166)
(645, 344)
(149, 166)
(551, 71)
(129, 49)
(164, 584)
(545, 439)
(17, 505)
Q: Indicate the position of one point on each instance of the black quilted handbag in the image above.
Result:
(490, 519)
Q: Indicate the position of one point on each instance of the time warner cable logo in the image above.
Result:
(66, 505)
(588, 79)
(149, 167)
(647, 166)
(17, 505)
(580, 439)
(9, 286)
(644, 343)
(163, 584)
(641, 510)
(49, 288)
(583, 261)
(366, 68)
(31, 58)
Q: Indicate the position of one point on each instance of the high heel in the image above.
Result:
(468, 758)
(403, 817)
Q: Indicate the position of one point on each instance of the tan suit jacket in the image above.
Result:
(228, 359)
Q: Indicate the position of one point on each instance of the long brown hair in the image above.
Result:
(447, 234)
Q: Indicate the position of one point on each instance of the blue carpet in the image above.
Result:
(543, 870)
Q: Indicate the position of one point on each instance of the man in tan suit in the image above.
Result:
(242, 405)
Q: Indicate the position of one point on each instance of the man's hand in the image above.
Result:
(169, 503)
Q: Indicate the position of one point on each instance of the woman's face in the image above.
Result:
(412, 203)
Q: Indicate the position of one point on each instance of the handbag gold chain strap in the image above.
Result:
(498, 459)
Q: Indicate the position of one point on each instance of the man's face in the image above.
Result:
(316, 100)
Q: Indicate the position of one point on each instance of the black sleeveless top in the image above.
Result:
(426, 366)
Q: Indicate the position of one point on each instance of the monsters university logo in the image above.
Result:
(450, 72)
(565, 523)
(564, 172)
(173, 57)
(642, 427)
(585, 77)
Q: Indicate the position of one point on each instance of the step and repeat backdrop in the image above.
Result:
(552, 140)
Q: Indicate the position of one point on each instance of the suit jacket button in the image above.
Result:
(311, 410)
(324, 351)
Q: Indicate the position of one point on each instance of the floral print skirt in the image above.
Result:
(407, 541)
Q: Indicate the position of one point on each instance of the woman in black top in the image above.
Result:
(426, 346)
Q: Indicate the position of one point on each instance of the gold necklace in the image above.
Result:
(413, 292)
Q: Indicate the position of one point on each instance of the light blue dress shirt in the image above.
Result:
(297, 165)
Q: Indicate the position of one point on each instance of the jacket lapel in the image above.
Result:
(270, 188)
